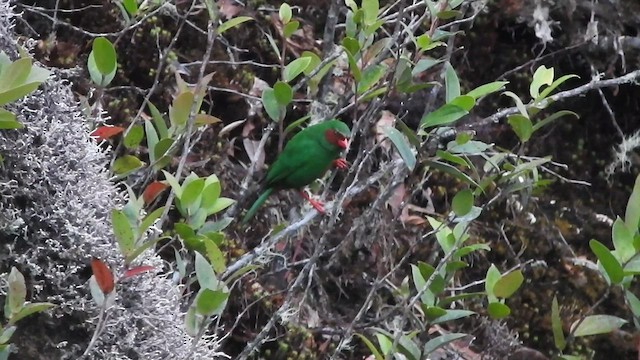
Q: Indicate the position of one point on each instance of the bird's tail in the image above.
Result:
(256, 205)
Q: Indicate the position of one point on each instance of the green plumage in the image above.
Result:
(305, 158)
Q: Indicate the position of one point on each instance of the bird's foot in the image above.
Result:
(340, 163)
(316, 204)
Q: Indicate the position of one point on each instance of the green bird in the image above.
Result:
(305, 158)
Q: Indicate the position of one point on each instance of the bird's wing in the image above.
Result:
(297, 152)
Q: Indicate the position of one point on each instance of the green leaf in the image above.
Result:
(440, 341)
(175, 186)
(159, 122)
(444, 235)
(632, 267)
(634, 303)
(623, 240)
(498, 310)
(192, 194)
(465, 101)
(424, 65)
(452, 83)
(152, 140)
(553, 117)
(632, 213)
(472, 147)
(597, 324)
(462, 202)
(181, 108)
(7, 332)
(140, 249)
(444, 115)
(427, 297)
(295, 68)
(493, 275)
(409, 133)
(487, 89)
(458, 160)
(220, 204)
(210, 194)
(192, 322)
(351, 45)
(295, 124)
(423, 41)
(271, 105)
(285, 13)
(609, 263)
(553, 86)
(283, 93)
(17, 92)
(370, 8)
(522, 126)
(508, 284)
(216, 257)
(15, 74)
(123, 231)
(161, 149)
(204, 272)
(371, 347)
(134, 137)
(556, 325)
(353, 66)
(126, 164)
(519, 103)
(231, 23)
(370, 77)
(433, 312)
(452, 315)
(8, 121)
(386, 345)
(448, 14)
(16, 293)
(28, 309)
(452, 170)
(542, 76)
(211, 302)
(402, 145)
(313, 63)
(131, 6)
(104, 56)
(290, 28)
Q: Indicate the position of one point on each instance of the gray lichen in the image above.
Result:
(54, 216)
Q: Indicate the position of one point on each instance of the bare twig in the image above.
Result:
(592, 85)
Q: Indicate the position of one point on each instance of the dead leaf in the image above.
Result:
(251, 147)
(233, 125)
(255, 105)
(248, 128)
(396, 199)
(387, 119)
(228, 8)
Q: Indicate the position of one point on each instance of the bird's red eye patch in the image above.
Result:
(336, 138)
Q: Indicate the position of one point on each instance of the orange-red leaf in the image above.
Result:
(103, 275)
(152, 191)
(137, 270)
(105, 132)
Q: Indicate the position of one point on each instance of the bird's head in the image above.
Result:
(338, 134)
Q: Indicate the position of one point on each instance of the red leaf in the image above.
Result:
(137, 270)
(152, 191)
(105, 132)
(103, 275)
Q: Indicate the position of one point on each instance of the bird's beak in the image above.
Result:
(343, 143)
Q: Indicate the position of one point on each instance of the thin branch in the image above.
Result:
(592, 85)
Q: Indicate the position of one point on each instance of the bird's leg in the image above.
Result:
(316, 204)
(340, 163)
